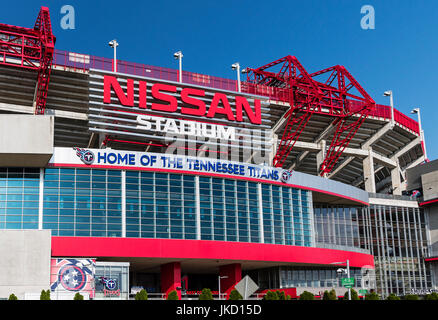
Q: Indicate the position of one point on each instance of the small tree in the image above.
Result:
(372, 296)
(141, 295)
(206, 294)
(329, 295)
(354, 295)
(411, 297)
(45, 295)
(432, 296)
(306, 295)
(271, 295)
(78, 296)
(392, 296)
(13, 297)
(235, 295)
(332, 295)
(173, 295)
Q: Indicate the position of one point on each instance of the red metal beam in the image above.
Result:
(30, 49)
(331, 97)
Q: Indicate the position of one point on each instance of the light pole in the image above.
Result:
(178, 55)
(236, 66)
(423, 141)
(347, 271)
(391, 101)
(219, 282)
(114, 44)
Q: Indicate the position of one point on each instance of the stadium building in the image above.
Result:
(116, 176)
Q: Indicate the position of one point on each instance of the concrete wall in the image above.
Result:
(430, 185)
(26, 140)
(24, 262)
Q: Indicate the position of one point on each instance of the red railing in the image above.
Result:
(383, 111)
(84, 62)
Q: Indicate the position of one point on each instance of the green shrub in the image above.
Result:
(45, 295)
(411, 297)
(141, 295)
(307, 296)
(326, 296)
(281, 295)
(78, 296)
(235, 295)
(432, 296)
(372, 296)
(206, 294)
(270, 295)
(13, 297)
(392, 296)
(333, 295)
(354, 295)
(173, 295)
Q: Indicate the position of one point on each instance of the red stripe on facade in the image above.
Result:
(202, 249)
(428, 202)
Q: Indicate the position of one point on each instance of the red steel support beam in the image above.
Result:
(331, 97)
(30, 49)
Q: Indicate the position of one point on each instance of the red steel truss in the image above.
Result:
(30, 49)
(332, 92)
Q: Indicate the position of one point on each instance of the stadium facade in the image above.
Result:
(117, 176)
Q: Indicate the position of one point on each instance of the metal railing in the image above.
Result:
(83, 62)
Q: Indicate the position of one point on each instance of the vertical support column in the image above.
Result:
(41, 200)
(171, 278)
(198, 209)
(368, 172)
(320, 156)
(123, 203)
(396, 181)
(233, 272)
(260, 207)
(101, 140)
(274, 149)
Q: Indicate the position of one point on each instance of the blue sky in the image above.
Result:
(399, 54)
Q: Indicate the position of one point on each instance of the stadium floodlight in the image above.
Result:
(388, 93)
(420, 129)
(114, 44)
(236, 66)
(178, 55)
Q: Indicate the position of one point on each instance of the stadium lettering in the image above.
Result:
(167, 96)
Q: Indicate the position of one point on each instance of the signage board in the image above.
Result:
(120, 159)
(246, 287)
(347, 282)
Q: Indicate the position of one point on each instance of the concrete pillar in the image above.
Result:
(101, 140)
(171, 278)
(396, 181)
(274, 149)
(368, 172)
(234, 273)
(320, 156)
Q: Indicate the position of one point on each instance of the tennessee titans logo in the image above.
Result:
(72, 277)
(285, 176)
(110, 284)
(86, 156)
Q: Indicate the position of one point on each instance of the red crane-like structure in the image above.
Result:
(332, 92)
(30, 49)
